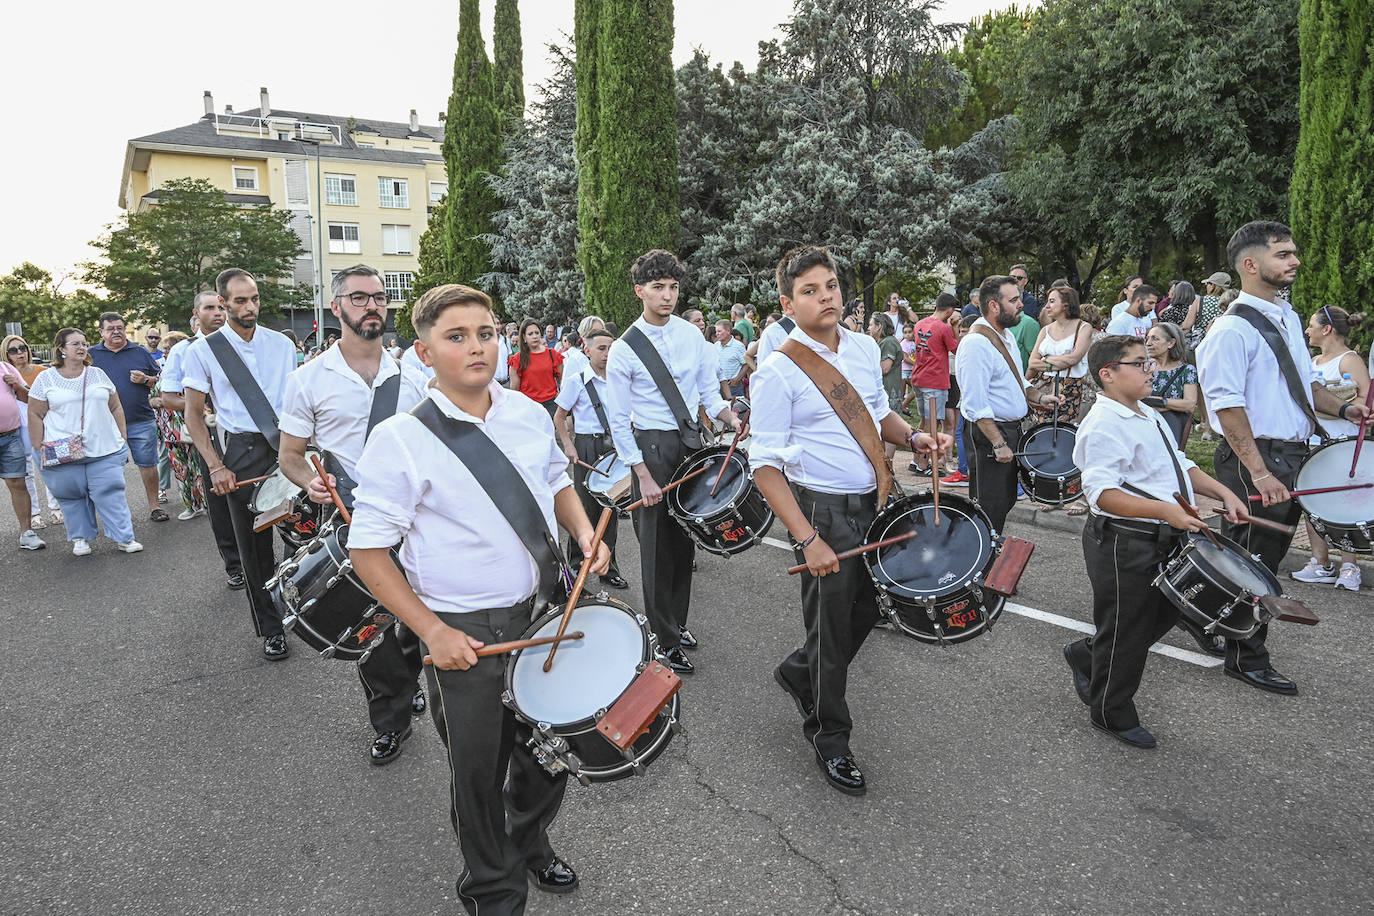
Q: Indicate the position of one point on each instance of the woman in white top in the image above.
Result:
(1062, 350)
(74, 398)
(1329, 331)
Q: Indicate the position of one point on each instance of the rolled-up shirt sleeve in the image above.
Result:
(298, 412)
(771, 420)
(558, 462)
(1222, 368)
(389, 491)
(194, 373)
(974, 373)
(619, 377)
(570, 391)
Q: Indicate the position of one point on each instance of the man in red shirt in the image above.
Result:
(934, 343)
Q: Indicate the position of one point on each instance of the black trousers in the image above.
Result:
(390, 677)
(838, 611)
(665, 550)
(249, 455)
(221, 524)
(990, 482)
(1282, 459)
(589, 448)
(1130, 615)
(502, 823)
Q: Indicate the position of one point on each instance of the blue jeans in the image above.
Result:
(91, 487)
(963, 450)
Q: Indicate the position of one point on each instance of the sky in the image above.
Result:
(101, 73)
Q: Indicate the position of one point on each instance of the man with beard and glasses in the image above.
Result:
(994, 398)
(246, 411)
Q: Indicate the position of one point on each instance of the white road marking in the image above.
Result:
(1068, 623)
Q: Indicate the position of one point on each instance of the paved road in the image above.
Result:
(156, 764)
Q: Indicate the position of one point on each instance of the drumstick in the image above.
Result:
(1364, 428)
(251, 480)
(587, 561)
(516, 645)
(865, 548)
(594, 470)
(1192, 510)
(1265, 523)
(640, 504)
(1313, 491)
(333, 493)
(726, 463)
(934, 474)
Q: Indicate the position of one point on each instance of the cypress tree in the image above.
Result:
(508, 61)
(1333, 173)
(586, 27)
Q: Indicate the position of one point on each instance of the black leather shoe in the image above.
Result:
(843, 773)
(386, 747)
(1265, 679)
(678, 661)
(685, 638)
(1211, 644)
(803, 706)
(1081, 682)
(1136, 737)
(615, 580)
(237, 582)
(275, 648)
(417, 703)
(555, 878)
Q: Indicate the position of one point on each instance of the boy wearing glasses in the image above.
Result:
(1131, 471)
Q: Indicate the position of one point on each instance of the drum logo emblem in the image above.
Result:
(728, 533)
(365, 634)
(956, 615)
(948, 578)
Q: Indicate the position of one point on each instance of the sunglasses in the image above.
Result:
(22, 348)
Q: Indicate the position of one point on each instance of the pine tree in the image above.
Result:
(1333, 174)
(508, 62)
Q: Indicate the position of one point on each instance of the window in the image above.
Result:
(395, 239)
(344, 239)
(245, 178)
(398, 284)
(437, 190)
(394, 193)
(341, 190)
(365, 146)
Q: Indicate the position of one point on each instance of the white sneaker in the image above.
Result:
(129, 547)
(30, 541)
(161, 496)
(1315, 572)
(37, 522)
(80, 548)
(188, 514)
(1349, 577)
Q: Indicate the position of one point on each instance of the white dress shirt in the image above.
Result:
(987, 389)
(573, 398)
(793, 427)
(1131, 326)
(460, 554)
(1120, 307)
(1117, 445)
(574, 361)
(635, 399)
(270, 358)
(502, 359)
(175, 363)
(326, 400)
(1236, 368)
(409, 359)
(771, 338)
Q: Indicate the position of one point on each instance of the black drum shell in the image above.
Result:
(1203, 594)
(739, 522)
(345, 607)
(1058, 485)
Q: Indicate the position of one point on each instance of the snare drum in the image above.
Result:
(735, 518)
(302, 522)
(1217, 589)
(323, 603)
(563, 705)
(1045, 464)
(1343, 519)
(611, 488)
(931, 586)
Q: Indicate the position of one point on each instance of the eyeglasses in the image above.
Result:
(360, 298)
(14, 351)
(72, 343)
(1019, 277)
(1144, 365)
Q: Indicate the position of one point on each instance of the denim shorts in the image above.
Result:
(143, 443)
(941, 395)
(13, 455)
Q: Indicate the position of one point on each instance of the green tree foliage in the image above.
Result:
(988, 55)
(508, 62)
(628, 196)
(1333, 176)
(153, 263)
(30, 296)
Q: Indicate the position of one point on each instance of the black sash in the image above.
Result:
(504, 487)
(787, 323)
(1173, 457)
(687, 425)
(246, 387)
(384, 401)
(597, 405)
(1301, 396)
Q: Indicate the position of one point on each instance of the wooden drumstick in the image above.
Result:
(726, 463)
(1364, 429)
(333, 493)
(934, 474)
(865, 548)
(676, 483)
(1249, 519)
(251, 480)
(517, 645)
(590, 469)
(1192, 510)
(587, 561)
(1313, 491)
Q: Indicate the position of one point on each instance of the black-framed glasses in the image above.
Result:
(1144, 365)
(15, 351)
(361, 299)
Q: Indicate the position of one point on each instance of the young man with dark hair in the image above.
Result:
(1127, 288)
(1139, 316)
(665, 431)
(1131, 469)
(819, 474)
(134, 372)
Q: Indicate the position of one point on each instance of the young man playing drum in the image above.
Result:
(835, 490)
(1131, 469)
(474, 582)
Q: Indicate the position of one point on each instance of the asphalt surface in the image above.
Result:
(155, 763)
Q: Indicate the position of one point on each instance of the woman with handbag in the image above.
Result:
(1175, 382)
(76, 426)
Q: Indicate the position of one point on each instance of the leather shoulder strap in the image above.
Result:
(848, 406)
(246, 387)
(1001, 345)
(1301, 396)
(667, 387)
(384, 401)
(599, 407)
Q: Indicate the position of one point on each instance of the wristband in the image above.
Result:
(1341, 413)
(218, 467)
(1002, 444)
(802, 545)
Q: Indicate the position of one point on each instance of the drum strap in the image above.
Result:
(658, 371)
(1001, 346)
(384, 400)
(504, 487)
(1301, 396)
(1173, 457)
(848, 406)
(597, 405)
(787, 323)
(246, 387)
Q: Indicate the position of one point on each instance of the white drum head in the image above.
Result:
(277, 489)
(613, 471)
(588, 674)
(1329, 466)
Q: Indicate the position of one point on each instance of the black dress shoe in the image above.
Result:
(678, 660)
(1265, 679)
(1211, 644)
(275, 648)
(843, 773)
(417, 703)
(1136, 737)
(615, 580)
(803, 706)
(685, 638)
(555, 878)
(237, 581)
(1081, 682)
(386, 747)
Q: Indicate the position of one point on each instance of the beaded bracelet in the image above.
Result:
(802, 545)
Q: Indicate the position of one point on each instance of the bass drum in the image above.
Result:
(1045, 464)
(735, 518)
(931, 586)
(1343, 519)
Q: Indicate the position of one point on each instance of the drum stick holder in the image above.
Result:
(270, 517)
(1011, 563)
(630, 716)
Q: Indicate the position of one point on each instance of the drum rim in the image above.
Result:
(1198, 561)
(989, 618)
(675, 507)
(276, 473)
(974, 512)
(1023, 465)
(614, 456)
(1299, 484)
(651, 753)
